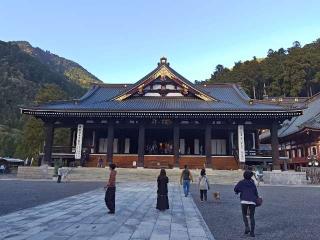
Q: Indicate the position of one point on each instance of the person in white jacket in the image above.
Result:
(204, 185)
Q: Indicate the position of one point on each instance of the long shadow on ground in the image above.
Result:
(288, 213)
(16, 195)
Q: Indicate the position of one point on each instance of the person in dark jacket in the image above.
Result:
(162, 199)
(248, 196)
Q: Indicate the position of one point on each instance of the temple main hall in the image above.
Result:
(162, 120)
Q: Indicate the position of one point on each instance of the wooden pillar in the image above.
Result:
(275, 145)
(110, 141)
(48, 132)
(72, 136)
(230, 143)
(141, 145)
(176, 140)
(207, 141)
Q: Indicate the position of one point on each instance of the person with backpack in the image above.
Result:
(249, 199)
(204, 185)
(185, 179)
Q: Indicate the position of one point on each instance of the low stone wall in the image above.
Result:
(284, 178)
(193, 162)
(224, 163)
(43, 172)
(158, 161)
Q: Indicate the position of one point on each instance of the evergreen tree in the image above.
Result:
(287, 72)
(32, 137)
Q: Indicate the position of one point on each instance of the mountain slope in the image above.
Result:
(24, 70)
(71, 70)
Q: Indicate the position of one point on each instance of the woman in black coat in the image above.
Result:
(162, 200)
(248, 196)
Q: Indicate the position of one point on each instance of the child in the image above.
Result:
(203, 185)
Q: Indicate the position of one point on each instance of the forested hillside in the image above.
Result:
(284, 72)
(25, 70)
(71, 70)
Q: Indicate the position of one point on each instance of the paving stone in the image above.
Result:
(121, 236)
(159, 236)
(179, 235)
(85, 217)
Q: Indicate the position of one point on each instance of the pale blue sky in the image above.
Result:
(121, 41)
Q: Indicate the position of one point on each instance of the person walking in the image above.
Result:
(204, 185)
(3, 168)
(248, 196)
(162, 199)
(59, 174)
(100, 163)
(111, 189)
(185, 179)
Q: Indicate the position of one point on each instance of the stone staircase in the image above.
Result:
(128, 174)
(43, 172)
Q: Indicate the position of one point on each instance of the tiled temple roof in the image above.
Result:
(125, 98)
(309, 120)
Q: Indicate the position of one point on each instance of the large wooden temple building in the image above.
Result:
(162, 120)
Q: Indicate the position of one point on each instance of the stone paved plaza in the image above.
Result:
(85, 216)
(287, 213)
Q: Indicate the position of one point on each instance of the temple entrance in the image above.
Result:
(192, 142)
(126, 141)
(159, 142)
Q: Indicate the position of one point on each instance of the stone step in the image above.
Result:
(128, 174)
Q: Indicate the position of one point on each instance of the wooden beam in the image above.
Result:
(110, 142)
(275, 145)
(230, 142)
(207, 141)
(176, 147)
(141, 147)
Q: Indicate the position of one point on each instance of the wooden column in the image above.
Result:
(230, 142)
(71, 140)
(275, 145)
(110, 141)
(176, 140)
(48, 132)
(141, 146)
(207, 142)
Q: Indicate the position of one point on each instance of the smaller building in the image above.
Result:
(299, 138)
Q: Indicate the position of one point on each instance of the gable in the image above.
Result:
(164, 82)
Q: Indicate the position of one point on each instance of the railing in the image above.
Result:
(63, 149)
(262, 153)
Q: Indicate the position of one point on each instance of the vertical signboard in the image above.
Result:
(77, 154)
(241, 146)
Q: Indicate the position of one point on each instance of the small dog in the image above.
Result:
(216, 195)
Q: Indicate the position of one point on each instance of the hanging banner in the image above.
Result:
(77, 154)
(241, 146)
